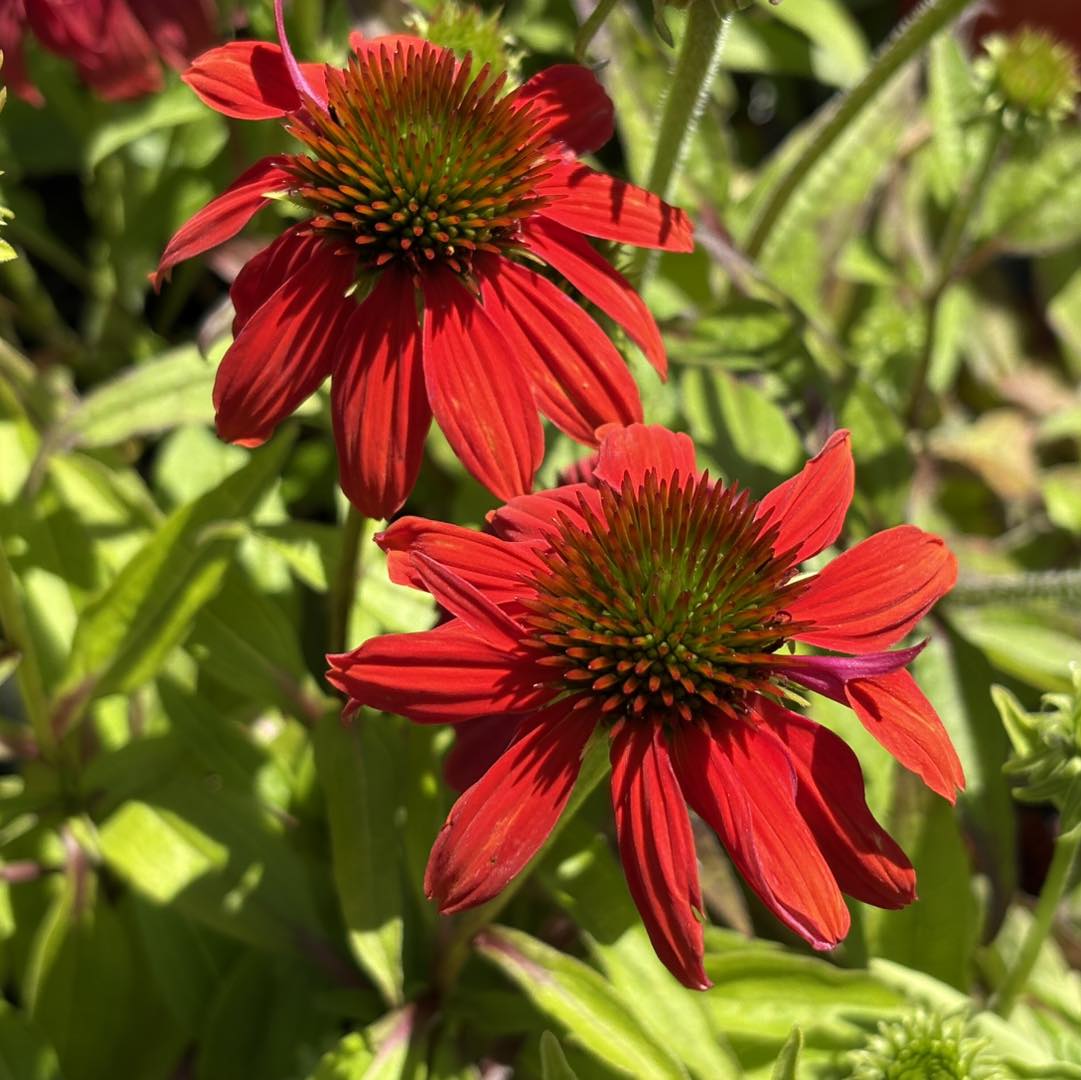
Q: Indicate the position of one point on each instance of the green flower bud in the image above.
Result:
(464, 28)
(924, 1046)
(1046, 765)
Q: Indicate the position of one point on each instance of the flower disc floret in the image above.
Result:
(416, 159)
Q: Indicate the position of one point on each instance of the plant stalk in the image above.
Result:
(1060, 585)
(589, 29)
(343, 593)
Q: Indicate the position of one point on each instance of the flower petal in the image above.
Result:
(573, 107)
(638, 449)
(827, 675)
(896, 712)
(740, 780)
(179, 31)
(656, 847)
(249, 80)
(478, 745)
(284, 351)
(305, 90)
(864, 858)
(437, 676)
(499, 569)
(596, 204)
(870, 596)
(478, 393)
(379, 402)
(498, 825)
(536, 517)
(222, 218)
(572, 255)
(579, 379)
(810, 507)
(268, 270)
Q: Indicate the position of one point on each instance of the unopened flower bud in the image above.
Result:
(465, 28)
(1029, 78)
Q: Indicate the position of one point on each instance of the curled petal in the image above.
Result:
(656, 847)
(810, 507)
(179, 31)
(639, 449)
(870, 596)
(222, 218)
(570, 102)
(498, 825)
(827, 675)
(304, 89)
(896, 712)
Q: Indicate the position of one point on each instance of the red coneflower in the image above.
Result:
(116, 45)
(653, 604)
(426, 183)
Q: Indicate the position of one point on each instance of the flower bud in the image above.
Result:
(465, 28)
(1029, 78)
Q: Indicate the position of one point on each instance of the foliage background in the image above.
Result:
(203, 874)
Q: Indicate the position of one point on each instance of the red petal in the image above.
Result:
(572, 105)
(284, 351)
(593, 276)
(436, 676)
(894, 710)
(390, 43)
(636, 450)
(870, 596)
(498, 825)
(267, 271)
(225, 216)
(12, 29)
(810, 507)
(536, 517)
(599, 205)
(579, 379)
(478, 393)
(828, 675)
(179, 31)
(478, 745)
(501, 570)
(864, 858)
(656, 847)
(378, 398)
(249, 80)
(740, 781)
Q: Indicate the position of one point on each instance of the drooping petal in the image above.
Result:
(636, 450)
(864, 858)
(870, 596)
(179, 31)
(572, 105)
(439, 676)
(248, 80)
(810, 507)
(600, 205)
(656, 847)
(498, 825)
(741, 782)
(594, 277)
(896, 712)
(827, 675)
(478, 745)
(379, 402)
(478, 393)
(285, 350)
(296, 74)
(579, 379)
(263, 274)
(499, 569)
(536, 517)
(222, 218)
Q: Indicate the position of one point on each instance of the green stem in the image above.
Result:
(343, 594)
(905, 44)
(454, 955)
(1061, 585)
(588, 30)
(1058, 876)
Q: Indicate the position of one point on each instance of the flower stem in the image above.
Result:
(696, 66)
(343, 593)
(588, 30)
(905, 44)
(1062, 585)
(1051, 894)
(454, 955)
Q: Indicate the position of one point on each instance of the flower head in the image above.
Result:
(116, 45)
(655, 605)
(1030, 78)
(429, 187)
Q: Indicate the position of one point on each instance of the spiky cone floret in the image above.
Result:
(660, 607)
(435, 199)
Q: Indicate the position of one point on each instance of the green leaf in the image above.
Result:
(24, 1055)
(356, 767)
(124, 636)
(1061, 488)
(840, 53)
(390, 1049)
(580, 1000)
(950, 102)
(788, 1061)
(554, 1065)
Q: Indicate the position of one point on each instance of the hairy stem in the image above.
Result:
(343, 593)
(588, 30)
(1060, 585)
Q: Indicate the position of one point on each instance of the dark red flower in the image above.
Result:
(428, 188)
(116, 45)
(653, 605)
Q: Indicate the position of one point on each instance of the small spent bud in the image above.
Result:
(465, 29)
(1046, 764)
(924, 1045)
(1029, 78)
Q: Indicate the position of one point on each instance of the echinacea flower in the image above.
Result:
(117, 46)
(434, 199)
(653, 605)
